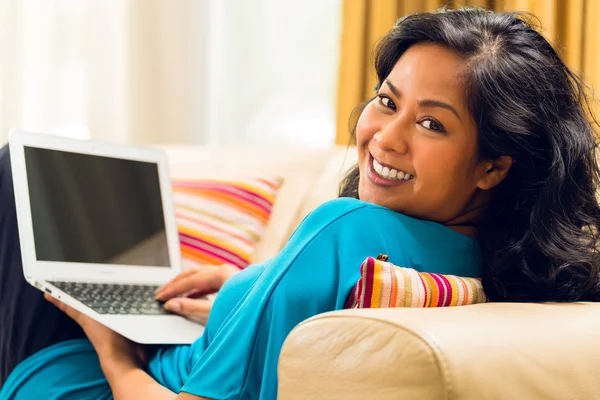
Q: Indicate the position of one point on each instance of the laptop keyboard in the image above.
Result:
(114, 298)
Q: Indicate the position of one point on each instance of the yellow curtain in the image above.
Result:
(569, 25)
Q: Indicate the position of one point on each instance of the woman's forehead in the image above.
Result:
(429, 70)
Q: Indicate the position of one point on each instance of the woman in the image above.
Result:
(475, 159)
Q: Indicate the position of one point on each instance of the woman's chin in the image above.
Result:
(376, 197)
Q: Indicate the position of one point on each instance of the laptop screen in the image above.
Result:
(95, 209)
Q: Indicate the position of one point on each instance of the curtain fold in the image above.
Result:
(569, 25)
(102, 69)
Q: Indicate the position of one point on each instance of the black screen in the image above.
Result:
(94, 209)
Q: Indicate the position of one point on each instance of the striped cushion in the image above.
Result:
(384, 285)
(222, 221)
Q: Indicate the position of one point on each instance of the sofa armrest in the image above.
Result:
(484, 351)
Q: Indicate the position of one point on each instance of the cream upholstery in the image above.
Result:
(479, 352)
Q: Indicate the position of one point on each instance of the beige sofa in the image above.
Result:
(488, 351)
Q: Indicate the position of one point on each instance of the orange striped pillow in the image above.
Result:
(222, 221)
(384, 285)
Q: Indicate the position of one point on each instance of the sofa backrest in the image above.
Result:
(311, 177)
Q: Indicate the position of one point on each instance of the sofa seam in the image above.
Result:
(423, 337)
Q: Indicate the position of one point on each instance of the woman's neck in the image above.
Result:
(470, 219)
(466, 230)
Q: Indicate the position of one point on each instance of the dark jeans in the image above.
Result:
(28, 323)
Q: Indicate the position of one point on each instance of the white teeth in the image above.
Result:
(378, 167)
(390, 173)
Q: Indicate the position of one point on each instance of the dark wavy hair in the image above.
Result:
(539, 237)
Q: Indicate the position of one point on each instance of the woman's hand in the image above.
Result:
(122, 360)
(112, 348)
(193, 283)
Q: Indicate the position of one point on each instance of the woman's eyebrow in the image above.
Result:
(392, 88)
(425, 102)
(440, 104)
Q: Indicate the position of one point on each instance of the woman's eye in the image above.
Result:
(386, 102)
(432, 125)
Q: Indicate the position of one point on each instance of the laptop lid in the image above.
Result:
(92, 211)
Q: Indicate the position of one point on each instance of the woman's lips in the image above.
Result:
(378, 180)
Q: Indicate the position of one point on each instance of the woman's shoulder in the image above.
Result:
(333, 213)
(347, 205)
(349, 209)
(343, 209)
(358, 229)
(339, 207)
(349, 213)
(361, 216)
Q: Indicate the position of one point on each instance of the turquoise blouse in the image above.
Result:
(236, 357)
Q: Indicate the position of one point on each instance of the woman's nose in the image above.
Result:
(392, 136)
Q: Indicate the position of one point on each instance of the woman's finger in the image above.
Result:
(70, 311)
(179, 277)
(195, 294)
(167, 288)
(208, 280)
(189, 307)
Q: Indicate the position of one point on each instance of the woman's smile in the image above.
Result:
(384, 175)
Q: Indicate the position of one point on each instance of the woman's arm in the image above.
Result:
(128, 381)
(120, 361)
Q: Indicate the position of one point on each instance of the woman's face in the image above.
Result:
(417, 142)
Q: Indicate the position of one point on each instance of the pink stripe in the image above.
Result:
(195, 242)
(441, 289)
(222, 259)
(230, 189)
(216, 228)
(370, 266)
(211, 249)
(258, 201)
(266, 205)
(448, 287)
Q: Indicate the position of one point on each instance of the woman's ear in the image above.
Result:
(494, 172)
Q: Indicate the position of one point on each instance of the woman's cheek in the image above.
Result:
(366, 126)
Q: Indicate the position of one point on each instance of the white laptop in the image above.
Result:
(97, 231)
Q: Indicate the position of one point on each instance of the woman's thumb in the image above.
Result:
(189, 307)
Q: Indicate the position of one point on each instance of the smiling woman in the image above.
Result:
(494, 127)
(470, 162)
(419, 124)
